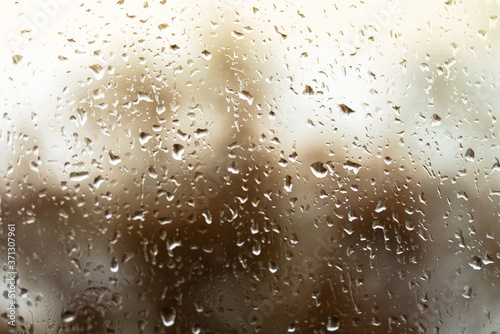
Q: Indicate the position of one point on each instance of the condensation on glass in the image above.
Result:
(251, 167)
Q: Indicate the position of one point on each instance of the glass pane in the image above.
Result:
(228, 166)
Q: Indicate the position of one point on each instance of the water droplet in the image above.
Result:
(174, 48)
(144, 138)
(178, 151)
(205, 54)
(196, 329)
(78, 176)
(98, 71)
(114, 265)
(469, 155)
(167, 315)
(17, 59)
(237, 34)
(163, 26)
(165, 220)
(114, 159)
(82, 116)
(352, 167)
(380, 205)
(376, 321)
(199, 133)
(288, 183)
(345, 109)
(207, 215)
(436, 120)
(410, 225)
(68, 316)
(308, 90)
(256, 249)
(173, 244)
(246, 96)
(467, 293)
(475, 263)
(319, 170)
(333, 323)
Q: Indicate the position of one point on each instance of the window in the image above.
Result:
(228, 166)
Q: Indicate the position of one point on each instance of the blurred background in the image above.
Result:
(228, 166)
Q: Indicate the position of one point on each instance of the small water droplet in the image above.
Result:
(376, 321)
(98, 71)
(178, 151)
(199, 133)
(410, 225)
(114, 159)
(16, 59)
(173, 244)
(469, 155)
(436, 120)
(246, 96)
(78, 176)
(237, 34)
(467, 293)
(207, 215)
(273, 267)
(319, 170)
(380, 205)
(288, 183)
(308, 90)
(114, 265)
(256, 249)
(475, 263)
(333, 323)
(352, 167)
(165, 220)
(205, 54)
(345, 109)
(196, 329)
(144, 138)
(167, 315)
(174, 48)
(68, 316)
(163, 26)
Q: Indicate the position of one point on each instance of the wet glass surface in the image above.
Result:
(250, 167)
